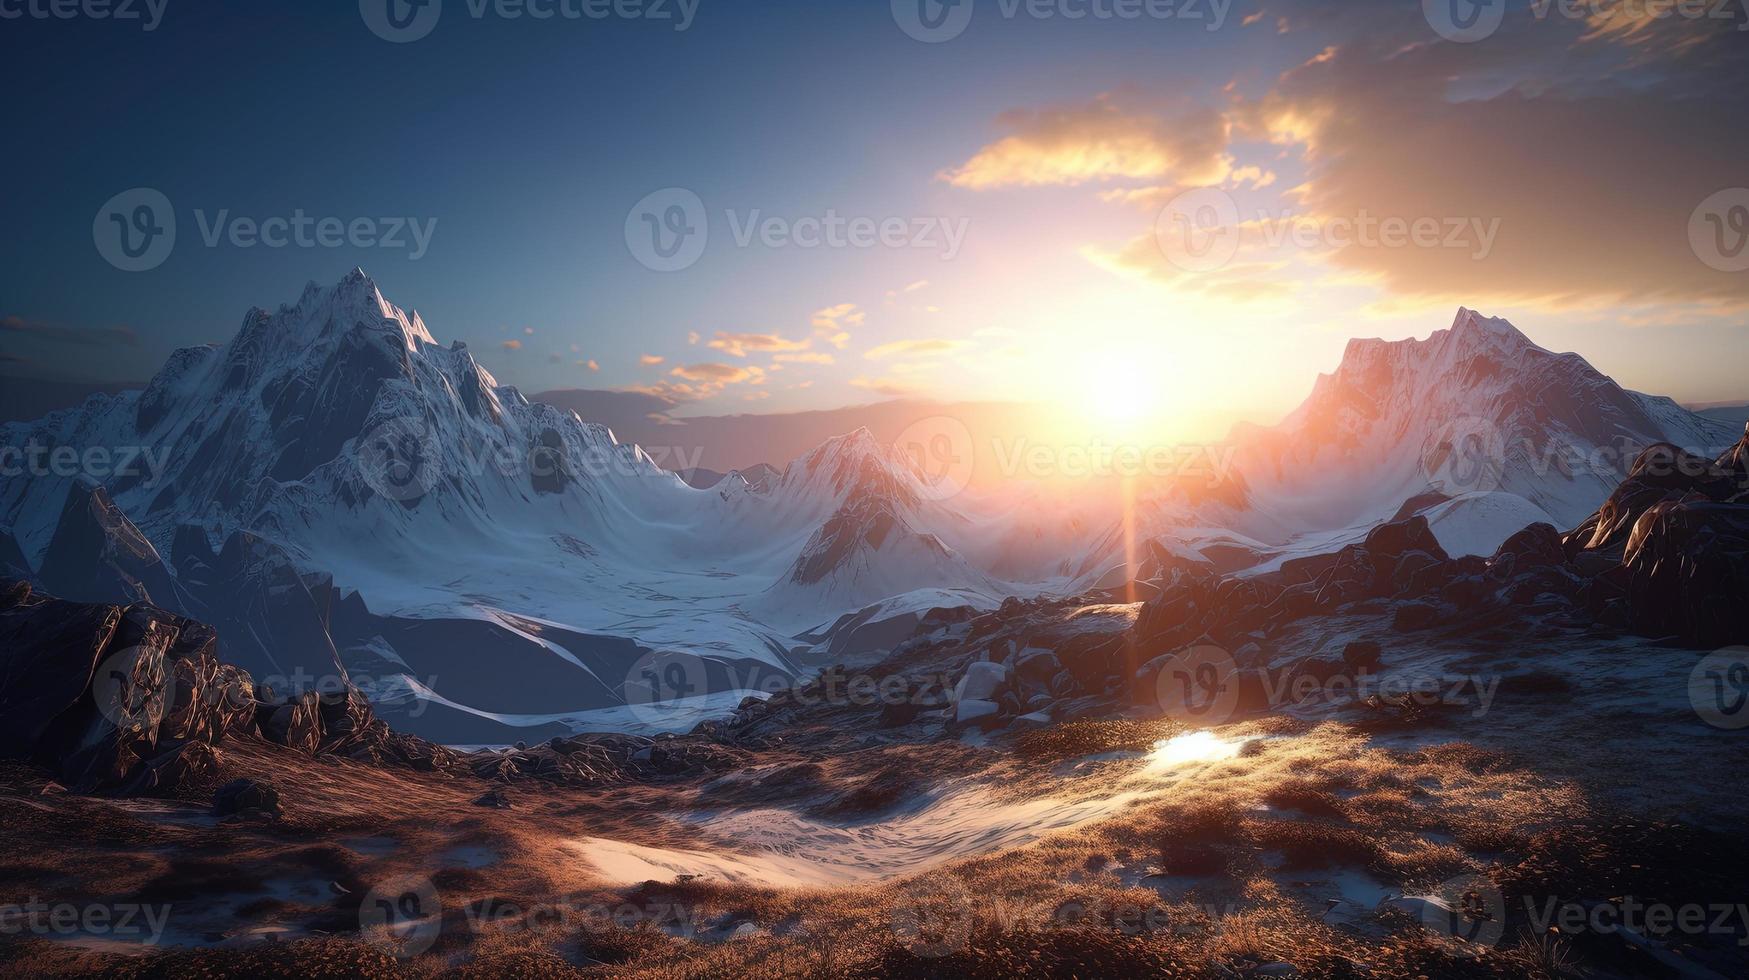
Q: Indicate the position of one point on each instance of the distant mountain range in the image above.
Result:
(341, 495)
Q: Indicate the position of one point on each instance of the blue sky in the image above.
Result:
(528, 141)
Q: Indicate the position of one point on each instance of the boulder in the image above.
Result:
(1686, 566)
(974, 711)
(1538, 544)
(1393, 540)
(981, 680)
(296, 724)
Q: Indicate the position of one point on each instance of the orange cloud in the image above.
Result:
(832, 323)
(1097, 142)
(810, 357)
(738, 344)
(649, 359)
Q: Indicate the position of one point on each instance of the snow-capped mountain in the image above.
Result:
(340, 494)
(335, 484)
(1476, 426)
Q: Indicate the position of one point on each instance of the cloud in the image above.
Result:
(832, 323)
(738, 344)
(807, 357)
(512, 345)
(1591, 182)
(649, 359)
(888, 387)
(692, 337)
(1563, 161)
(914, 348)
(13, 359)
(1099, 141)
(590, 364)
(50, 333)
(717, 373)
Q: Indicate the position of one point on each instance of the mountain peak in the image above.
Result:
(1471, 329)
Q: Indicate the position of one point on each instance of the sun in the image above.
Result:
(1117, 394)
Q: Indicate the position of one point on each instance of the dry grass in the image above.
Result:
(1223, 872)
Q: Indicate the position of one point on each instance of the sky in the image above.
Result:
(1171, 213)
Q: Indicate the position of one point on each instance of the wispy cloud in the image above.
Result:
(916, 348)
(739, 344)
(832, 324)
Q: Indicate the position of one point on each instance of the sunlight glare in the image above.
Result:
(1201, 746)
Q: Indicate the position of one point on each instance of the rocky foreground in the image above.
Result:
(1398, 720)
